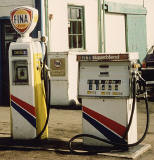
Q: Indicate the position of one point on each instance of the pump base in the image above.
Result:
(132, 153)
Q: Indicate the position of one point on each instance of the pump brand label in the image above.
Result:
(21, 19)
(103, 57)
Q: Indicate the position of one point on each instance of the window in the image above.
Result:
(8, 35)
(76, 27)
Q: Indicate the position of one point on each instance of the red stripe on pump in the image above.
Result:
(112, 125)
(29, 108)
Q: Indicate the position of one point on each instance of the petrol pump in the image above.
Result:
(27, 94)
(107, 91)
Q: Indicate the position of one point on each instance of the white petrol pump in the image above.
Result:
(105, 87)
(28, 107)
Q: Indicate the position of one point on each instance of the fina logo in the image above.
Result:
(21, 19)
(57, 63)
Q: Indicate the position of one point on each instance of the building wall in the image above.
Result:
(150, 23)
(115, 32)
(58, 26)
(58, 29)
(7, 5)
(148, 4)
(115, 28)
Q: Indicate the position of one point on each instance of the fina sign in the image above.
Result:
(24, 19)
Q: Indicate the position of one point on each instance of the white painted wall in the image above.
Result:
(115, 28)
(149, 5)
(7, 5)
(115, 32)
(58, 29)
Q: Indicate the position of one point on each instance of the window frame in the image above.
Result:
(82, 34)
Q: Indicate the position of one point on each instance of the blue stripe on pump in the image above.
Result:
(25, 114)
(106, 132)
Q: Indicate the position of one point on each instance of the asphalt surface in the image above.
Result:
(64, 124)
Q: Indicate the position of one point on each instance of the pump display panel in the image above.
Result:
(104, 79)
(20, 72)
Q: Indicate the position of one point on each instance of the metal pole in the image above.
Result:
(104, 35)
(99, 26)
(42, 24)
(47, 22)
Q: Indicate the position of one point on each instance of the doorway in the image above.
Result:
(8, 35)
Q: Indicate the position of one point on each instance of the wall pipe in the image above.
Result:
(47, 22)
(42, 18)
(42, 25)
(99, 26)
(104, 35)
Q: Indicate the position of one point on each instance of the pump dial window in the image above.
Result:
(20, 72)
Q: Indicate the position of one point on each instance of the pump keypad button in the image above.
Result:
(103, 87)
(116, 87)
(109, 87)
(90, 87)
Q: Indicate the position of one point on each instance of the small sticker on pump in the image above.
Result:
(91, 92)
(103, 93)
(116, 93)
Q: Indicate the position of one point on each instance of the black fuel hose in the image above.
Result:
(133, 105)
(120, 146)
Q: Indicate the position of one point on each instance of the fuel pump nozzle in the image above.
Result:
(45, 70)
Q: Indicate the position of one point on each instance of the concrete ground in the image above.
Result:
(64, 124)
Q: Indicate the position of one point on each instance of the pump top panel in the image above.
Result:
(107, 75)
(109, 57)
